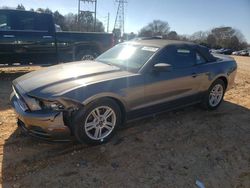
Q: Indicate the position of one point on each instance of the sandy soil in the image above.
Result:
(173, 149)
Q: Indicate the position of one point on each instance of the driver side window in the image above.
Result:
(165, 56)
(184, 57)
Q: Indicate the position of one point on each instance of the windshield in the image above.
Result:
(127, 56)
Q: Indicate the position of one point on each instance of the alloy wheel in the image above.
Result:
(216, 95)
(100, 122)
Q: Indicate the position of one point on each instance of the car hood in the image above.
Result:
(60, 79)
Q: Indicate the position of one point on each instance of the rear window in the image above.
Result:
(26, 23)
(43, 22)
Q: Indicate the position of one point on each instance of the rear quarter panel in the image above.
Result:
(225, 66)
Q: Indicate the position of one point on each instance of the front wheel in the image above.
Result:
(214, 95)
(98, 122)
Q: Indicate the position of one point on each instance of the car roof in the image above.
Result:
(18, 10)
(160, 43)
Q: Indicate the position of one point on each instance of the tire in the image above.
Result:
(216, 91)
(92, 129)
(86, 55)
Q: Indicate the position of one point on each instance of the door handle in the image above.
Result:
(194, 75)
(47, 37)
(8, 36)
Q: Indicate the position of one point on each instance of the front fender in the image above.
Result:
(103, 95)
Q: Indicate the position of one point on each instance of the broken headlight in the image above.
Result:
(33, 104)
(51, 105)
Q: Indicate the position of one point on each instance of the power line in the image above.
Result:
(119, 19)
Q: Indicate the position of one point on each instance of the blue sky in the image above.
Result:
(183, 16)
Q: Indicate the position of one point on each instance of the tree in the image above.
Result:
(220, 37)
(60, 20)
(40, 10)
(228, 37)
(183, 37)
(47, 10)
(84, 23)
(234, 43)
(20, 7)
(99, 26)
(172, 35)
(244, 45)
(211, 41)
(199, 37)
(155, 28)
(71, 22)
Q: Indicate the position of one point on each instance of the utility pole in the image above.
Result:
(119, 19)
(108, 24)
(95, 1)
(84, 11)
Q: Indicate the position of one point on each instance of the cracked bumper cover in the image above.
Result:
(47, 125)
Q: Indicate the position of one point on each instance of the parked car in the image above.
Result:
(91, 100)
(241, 52)
(225, 51)
(236, 52)
(212, 50)
(244, 53)
(31, 37)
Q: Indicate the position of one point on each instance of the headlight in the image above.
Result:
(32, 103)
(52, 105)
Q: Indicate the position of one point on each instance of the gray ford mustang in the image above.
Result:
(89, 100)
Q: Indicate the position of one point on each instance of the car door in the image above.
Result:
(35, 35)
(7, 38)
(180, 85)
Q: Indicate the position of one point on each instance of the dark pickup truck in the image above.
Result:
(31, 37)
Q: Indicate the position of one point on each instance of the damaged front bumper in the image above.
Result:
(43, 124)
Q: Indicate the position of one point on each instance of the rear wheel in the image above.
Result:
(86, 55)
(98, 122)
(214, 95)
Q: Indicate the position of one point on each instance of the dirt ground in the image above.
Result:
(173, 149)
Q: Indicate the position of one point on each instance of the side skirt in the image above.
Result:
(159, 108)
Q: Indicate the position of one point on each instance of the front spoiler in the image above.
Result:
(38, 134)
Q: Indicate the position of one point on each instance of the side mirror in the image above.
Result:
(162, 67)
